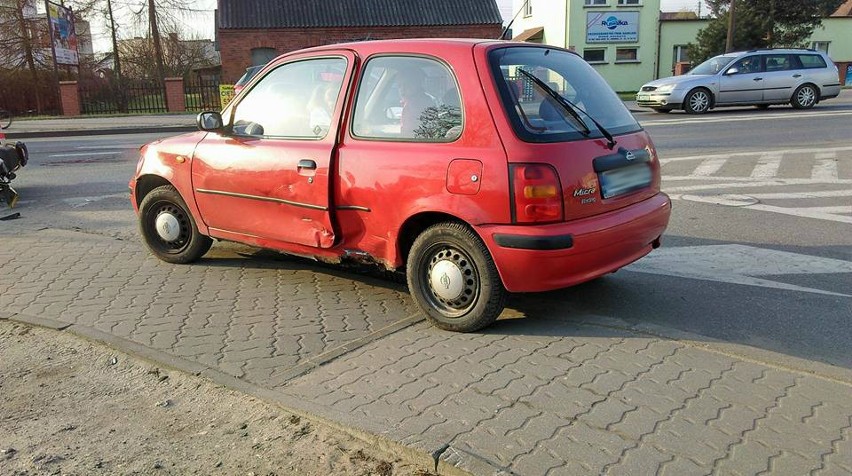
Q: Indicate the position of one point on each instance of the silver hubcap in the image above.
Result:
(806, 96)
(446, 280)
(452, 281)
(699, 101)
(168, 227)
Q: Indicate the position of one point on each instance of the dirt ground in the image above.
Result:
(71, 407)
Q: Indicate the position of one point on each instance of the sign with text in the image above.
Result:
(612, 27)
(63, 36)
(226, 93)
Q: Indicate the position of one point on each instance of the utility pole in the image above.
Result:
(729, 44)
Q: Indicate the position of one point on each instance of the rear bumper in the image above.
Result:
(546, 257)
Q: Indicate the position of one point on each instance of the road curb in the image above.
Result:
(368, 433)
(100, 132)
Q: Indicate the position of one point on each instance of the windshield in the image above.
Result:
(713, 65)
(537, 117)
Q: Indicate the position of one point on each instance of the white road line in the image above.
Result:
(709, 167)
(839, 210)
(746, 184)
(115, 146)
(767, 166)
(85, 154)
(795, 195)
(818, 213)
(752, 154)
(707, 120)
(825, 167)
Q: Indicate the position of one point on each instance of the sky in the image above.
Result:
(200, 24)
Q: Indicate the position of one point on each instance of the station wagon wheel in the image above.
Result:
(453, 278)
(168, 228)
(697, 101)
(805, 97)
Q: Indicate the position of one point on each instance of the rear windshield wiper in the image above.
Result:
(571, 109)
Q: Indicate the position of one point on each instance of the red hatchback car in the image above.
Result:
(477, 166)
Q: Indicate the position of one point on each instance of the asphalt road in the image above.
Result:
(759, 250)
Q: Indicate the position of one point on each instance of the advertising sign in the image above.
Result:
(226, 93)
(62, 34)
(612, 27)
(849, 75)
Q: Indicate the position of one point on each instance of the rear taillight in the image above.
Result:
(537, 194)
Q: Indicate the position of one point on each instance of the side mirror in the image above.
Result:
(210, 121)
(732, 71)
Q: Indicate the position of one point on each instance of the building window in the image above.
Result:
(681, 54)
(592, 3)
(594, 55)
(528, 8)
(820, 46)
(261, 56)
(626, 55)
(629, 2)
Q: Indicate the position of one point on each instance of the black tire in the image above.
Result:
(5, 119)
(805, 97)
(698, 101)
(456, 248)
(189, 244)
(762, 107)
(662, 110)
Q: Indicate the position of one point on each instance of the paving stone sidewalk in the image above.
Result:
(538, 393)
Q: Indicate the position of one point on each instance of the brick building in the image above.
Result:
(251, 32)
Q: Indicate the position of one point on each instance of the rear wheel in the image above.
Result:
(453, 278)
(805, 97)
(698, 101)
(168, 228)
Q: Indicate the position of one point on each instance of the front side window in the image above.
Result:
(748, 65)
(295, 100)
(535, 115)
(408, 98)
(713, 65)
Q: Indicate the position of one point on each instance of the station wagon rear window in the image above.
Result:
(812, 61)
(536, 116)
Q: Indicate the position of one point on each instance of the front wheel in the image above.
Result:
(453, 278)
(805, 97)
(169, 229)
(5, 119)
(697, 101)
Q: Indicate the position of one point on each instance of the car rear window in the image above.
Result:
(812, 61)
(535, 116)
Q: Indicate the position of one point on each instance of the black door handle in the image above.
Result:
(758, 79)
(797, 75)
(307, 164)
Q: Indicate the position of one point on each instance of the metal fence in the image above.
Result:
(202, 95)
(139, 96)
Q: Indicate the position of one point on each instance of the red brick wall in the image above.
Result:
(175, 98)
(236, 45)
(69, 96)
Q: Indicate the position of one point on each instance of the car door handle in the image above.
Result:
(307, 164)
(797, 75)
(758, 79)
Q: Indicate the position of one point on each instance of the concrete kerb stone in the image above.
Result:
(4, 316)
(453, 461)
(737, 351)
(366, 432)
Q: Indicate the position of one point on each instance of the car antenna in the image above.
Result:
(506, 30)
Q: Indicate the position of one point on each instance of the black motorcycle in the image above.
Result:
(13, 156)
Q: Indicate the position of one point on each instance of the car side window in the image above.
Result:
(295, 100)
(811, 61)
(408, 98)
(749, 64)
(778, 63)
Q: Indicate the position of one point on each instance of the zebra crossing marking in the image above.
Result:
(767, 166)
(709, 167)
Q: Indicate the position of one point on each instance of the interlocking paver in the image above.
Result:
(559, 398)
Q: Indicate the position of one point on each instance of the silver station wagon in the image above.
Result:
(761, 78)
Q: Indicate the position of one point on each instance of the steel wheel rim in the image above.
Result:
(699, 101)
(443, 256)
(156, 216)
(806, 96)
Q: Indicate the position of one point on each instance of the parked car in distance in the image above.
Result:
(478, 167)
(761, 78)
(250, 73)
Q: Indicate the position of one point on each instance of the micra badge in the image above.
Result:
(582, 192)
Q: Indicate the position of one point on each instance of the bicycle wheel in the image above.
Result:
(5, 119)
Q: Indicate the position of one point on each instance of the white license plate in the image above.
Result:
(643, 97)
(624, 180)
